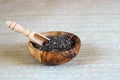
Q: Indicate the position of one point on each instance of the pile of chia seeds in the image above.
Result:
(56, 43)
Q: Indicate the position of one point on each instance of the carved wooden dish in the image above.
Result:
(57, 57)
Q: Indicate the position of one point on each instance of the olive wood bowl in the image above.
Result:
(56, 57)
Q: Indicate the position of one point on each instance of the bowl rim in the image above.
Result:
(30, 42)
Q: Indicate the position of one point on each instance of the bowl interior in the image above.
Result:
(65, 34)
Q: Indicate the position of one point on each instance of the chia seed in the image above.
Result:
(56, 43)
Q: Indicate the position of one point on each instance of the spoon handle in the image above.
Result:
(18, 28)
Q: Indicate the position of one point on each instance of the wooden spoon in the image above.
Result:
(33, 36)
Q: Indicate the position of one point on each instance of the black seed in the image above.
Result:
(56, 43)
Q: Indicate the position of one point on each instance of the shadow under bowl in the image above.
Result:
(56, 57)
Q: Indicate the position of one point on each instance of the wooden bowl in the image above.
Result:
(57, 57)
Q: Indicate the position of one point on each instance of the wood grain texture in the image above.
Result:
(96, 22)
(56, 57)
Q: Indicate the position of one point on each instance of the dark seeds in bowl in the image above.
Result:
(56, 43)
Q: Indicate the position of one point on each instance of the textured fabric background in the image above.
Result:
(96, 22)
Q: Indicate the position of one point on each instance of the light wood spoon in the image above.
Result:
(33, 36)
